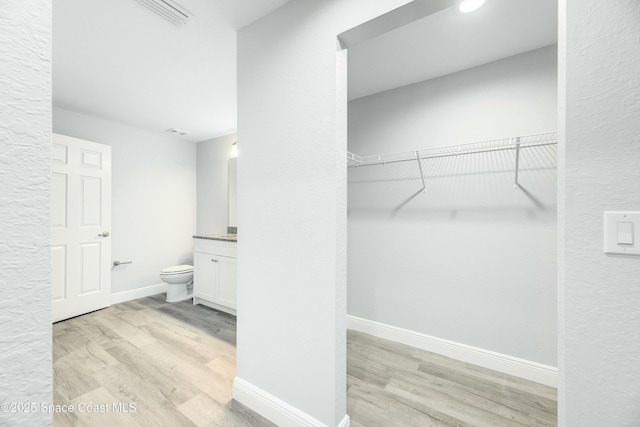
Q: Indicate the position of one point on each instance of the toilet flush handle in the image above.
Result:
(104, 234)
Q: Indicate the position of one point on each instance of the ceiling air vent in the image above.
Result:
(177, 131)
(167, 10)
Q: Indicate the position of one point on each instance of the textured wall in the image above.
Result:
(213, 184)
(291, 205)
(471, 260)
(153, 196)
(25, 138)
(600, 294)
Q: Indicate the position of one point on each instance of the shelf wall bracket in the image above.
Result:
(424, 187)
(516, 184)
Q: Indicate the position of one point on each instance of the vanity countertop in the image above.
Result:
(223, 237)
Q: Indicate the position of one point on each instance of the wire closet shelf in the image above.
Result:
(516, 143)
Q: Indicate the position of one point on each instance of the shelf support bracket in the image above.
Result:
(424, 187)
(516, 184)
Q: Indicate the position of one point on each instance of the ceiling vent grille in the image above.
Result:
(167, 10)
(177, 131)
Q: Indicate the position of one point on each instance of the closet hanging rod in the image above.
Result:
(528, 141)
(437, 156)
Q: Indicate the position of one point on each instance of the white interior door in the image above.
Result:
(80, 226)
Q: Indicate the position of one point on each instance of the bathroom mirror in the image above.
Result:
(233, 192)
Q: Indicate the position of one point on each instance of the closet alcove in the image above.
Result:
(452, 184)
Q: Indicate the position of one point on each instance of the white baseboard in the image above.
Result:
(147, 291)
(522, 368)
(274, 409)
(346, 422)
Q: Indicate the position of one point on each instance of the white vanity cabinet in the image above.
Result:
(214, 282)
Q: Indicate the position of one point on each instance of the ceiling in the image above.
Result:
(116, 60)
(446, 42)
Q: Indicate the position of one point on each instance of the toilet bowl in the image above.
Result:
(178, 278)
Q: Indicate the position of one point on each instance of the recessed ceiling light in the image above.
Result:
(466, 6)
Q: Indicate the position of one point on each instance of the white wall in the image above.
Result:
(513, 96)
(471, 260)
(25, 138)
(154, 196)
(600, 294)
(292, 205)
(213, 184)
(232, 166)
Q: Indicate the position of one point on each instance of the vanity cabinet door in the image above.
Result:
(227, 288)
(206, 276)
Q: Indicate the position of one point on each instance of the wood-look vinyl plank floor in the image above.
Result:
(436, 390)
(176, 363)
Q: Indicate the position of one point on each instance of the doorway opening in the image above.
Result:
(452, 186)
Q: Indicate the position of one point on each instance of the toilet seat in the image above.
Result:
(178, 269)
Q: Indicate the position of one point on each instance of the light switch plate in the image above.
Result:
(616, 229)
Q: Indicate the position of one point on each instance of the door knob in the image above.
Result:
(104, 234)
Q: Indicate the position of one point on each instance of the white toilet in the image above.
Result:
(178, 278)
